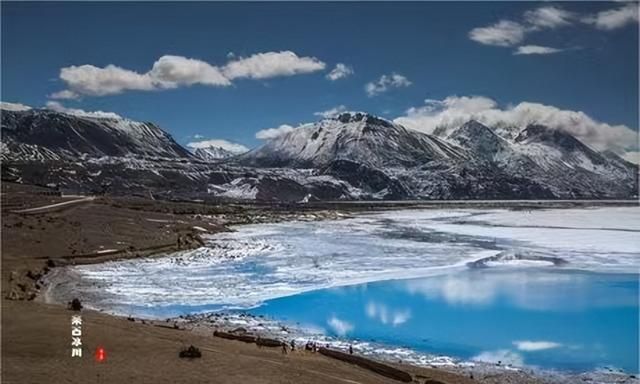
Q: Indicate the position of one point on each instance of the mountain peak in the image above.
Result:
(474, 126)
(352, 136)
(354, 117)
(213, 153)
(557, 137)
(479, 138)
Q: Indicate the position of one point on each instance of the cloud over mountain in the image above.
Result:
(272, 133)
(58, 107)
(457, 110)
(331, 112)
(13, 106)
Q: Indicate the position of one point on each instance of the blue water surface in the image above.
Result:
(553, 319)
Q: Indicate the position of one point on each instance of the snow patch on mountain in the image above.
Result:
(212, 153)
(358, 137)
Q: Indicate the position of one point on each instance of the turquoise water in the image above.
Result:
(555, 289)
(565, 320)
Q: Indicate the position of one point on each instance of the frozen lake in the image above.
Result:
(474, 284)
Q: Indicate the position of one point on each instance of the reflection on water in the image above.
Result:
(524, 289)
(568, 320)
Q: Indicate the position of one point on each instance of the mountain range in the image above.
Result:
(351, 156)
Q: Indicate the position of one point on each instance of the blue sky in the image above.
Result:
(581, 57)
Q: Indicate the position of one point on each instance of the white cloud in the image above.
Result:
(632, 157)
(220, 143)
(535, 50)
(340, 327)
(504, 33)
(198, 136)
(272, 133)
(532, 346)
(548, 17)
(385, 82)
(271, 64)
(94, 81)
(614, 18)
(13, 106)
(455, 110)
(332, 112)
(340, 72)
(56, 106)
(502, 356)
(507, 33)
(64, 95)
(171, 71)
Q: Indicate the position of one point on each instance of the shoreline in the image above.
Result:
(161, 251)
(241, 323)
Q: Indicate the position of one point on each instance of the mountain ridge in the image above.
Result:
(350, 156)
(75, 136)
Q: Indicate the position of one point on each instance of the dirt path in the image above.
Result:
(52, 207)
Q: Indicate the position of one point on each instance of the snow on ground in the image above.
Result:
(623, 218)
(239, 188)
(603, 231)
(266, 261)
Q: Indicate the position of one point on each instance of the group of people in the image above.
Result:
(310, 346)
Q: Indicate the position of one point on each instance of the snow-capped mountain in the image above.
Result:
(386, 160)
(351, 156)
(212, 153)
(41, 134)
(554, 148)
(120, 156)
(355, 137)
(479, 139)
